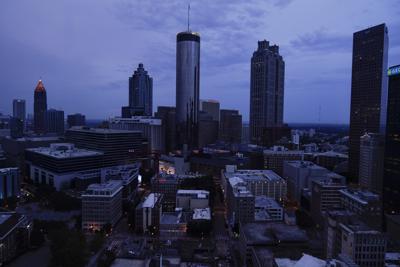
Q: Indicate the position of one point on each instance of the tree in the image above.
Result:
(199, 228)
(107, 228)
(68, 248)
(37, 238)
(97, 242)
(63, 202)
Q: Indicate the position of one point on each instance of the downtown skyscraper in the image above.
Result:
(40, 108)
(266, 91)
(19, 109)
(140, 94)
(391, 172)
(368, 89)
(187, 88)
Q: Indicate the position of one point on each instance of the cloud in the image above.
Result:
(86, 50)
(322, 42)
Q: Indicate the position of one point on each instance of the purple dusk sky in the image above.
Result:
(86, 50)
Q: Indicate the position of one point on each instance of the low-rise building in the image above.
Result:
(274, 158)
(15, 230)
(202, 214)
(299, 176)
(365, 204)
(148, 214)
(258, 182)
(128, 174)
(213, 161)
(173, 224)
(330, 159)
(14, 149)
(151, 128)
(366, 247)
(101, 205)
(333, 231)
(325, 195)
(120, 147)
(178, 165)
(267, 209)
(240, 202)
(192, 199)
(281, 239)
(59, 164)
(168, 184)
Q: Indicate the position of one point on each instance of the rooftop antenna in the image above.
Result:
(188, 17)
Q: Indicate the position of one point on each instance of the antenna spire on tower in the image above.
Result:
(188, 17)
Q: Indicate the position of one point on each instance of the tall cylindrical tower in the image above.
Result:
(187, 88)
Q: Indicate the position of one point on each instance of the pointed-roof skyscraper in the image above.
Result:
(40, 107)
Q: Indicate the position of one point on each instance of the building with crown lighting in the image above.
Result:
(40, 108)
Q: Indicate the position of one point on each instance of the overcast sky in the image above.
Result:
(85, 50)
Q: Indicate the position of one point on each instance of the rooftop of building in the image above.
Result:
(303, 164)
(305, 261)
(98, 130)
(174, 217)
(235, 181)
(282, 150)
(126, 173)
(110, 188)
(202, 214)
(137, 119)
(332, 153)
(151, 200)
(340, 213)
(35, 138)
(255, 175)
(272, 233)
(241, 191)
(175, 177)
(64, 151)
(197, 193)
(266, 202)
(8, 170)
(361, 196)
(332, 180)
(355, 225)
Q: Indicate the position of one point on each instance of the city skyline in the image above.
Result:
(78, 62)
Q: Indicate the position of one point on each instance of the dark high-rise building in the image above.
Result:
(187, 88)
(140, 94)
(211, 107)
(167, 115)
(19, 109)
(368, 89)
(391, 172)
(266, 90)
(208, 129)
(371, 162)
(230, 126)
(120, 147)
(40, 107)
(55, 121)
(16, 127)
(76, 119)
